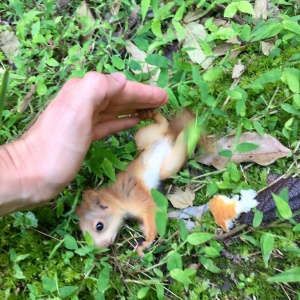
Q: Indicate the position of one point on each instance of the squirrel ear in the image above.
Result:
(92, 199)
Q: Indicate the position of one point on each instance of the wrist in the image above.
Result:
(20, 180)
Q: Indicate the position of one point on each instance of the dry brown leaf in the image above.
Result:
(116, 7)
(261, 9)
(193, 32)
(9, 44)
(140, 56)
(182, 199)
(84, 11)
(238, 70)
(189, 212)
(193, 15)
(266, 47)
(269, 151)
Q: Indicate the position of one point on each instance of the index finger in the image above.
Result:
(139, 96)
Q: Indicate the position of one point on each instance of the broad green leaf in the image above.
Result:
(52, 62)
(266, 245)
(198, 238)
(18, 272)
(70, 242)
(246, 147)
(158, 60)
(209, 265)
(118, 62)
(297, 227)
(212, 74)
(156, 28)
(108, 169)
(236, 95)
(290, 109)
(283, 207)
(230, 10)
(180, 276)
(160, 291)
(246, 7)
(270, 76)
(291, 78)
(67, 291)
(178, 28)
(179, 13)
(49, 285)
(212, 188)
(161, 214)
(291, 26)
(174, 262)
(292, 275)
(258, 217)
(88, 239)
(240, 107)
(103, 279)
(144, 8)
(259, 129)
(193, 134)
(183, 230)
(163, 78)
(211, 251)
(142, 292)
(172, 98)
(161, 220)
(226, 153)
(266, 31)
(160, 200)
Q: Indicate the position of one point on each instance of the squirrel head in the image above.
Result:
(100, 216)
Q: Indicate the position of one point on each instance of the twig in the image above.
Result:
(231, 232)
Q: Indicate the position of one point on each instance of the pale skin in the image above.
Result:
(40, 164)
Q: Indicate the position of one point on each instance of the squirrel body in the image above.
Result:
(163, 152)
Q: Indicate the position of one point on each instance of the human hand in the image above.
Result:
(84, 110)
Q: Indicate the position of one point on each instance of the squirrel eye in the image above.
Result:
(99, 226)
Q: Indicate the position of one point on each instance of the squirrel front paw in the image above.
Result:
(146, 114)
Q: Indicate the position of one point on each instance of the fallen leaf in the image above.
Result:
(194, 32)
(261, 9)
(193, 15)
(267, 204)
(267, 47)
(140, 56)
(221, 49)
(84, 11)
(116, 7)
(189, 212)
(182, 199)
(238, 70)
(9, 44)
(269, 150)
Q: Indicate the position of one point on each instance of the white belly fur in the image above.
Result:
(153, 160)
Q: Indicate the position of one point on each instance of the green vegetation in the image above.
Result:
(44, 255)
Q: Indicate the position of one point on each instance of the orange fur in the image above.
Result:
(164, 151)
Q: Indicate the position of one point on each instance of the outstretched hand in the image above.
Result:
(50, 153)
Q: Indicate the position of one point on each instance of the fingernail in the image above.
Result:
(120, 77)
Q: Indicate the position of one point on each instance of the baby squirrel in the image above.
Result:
(163, 149)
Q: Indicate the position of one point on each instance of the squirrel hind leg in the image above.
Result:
(150, 232)
(146, 136)
(175, 159)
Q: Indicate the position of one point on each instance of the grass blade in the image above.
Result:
(3, 90)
